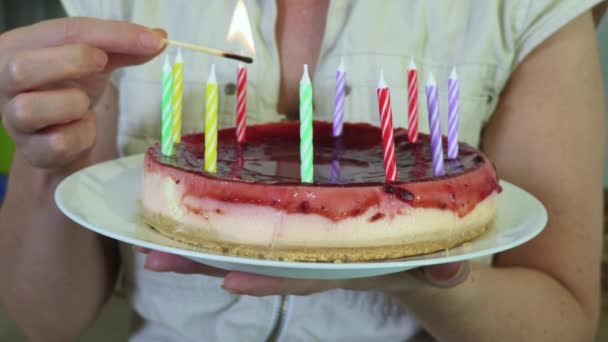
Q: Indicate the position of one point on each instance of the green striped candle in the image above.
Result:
(167, 117)
(306, 148)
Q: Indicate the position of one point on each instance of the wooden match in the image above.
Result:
(209, 51)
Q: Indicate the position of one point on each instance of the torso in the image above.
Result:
(299, 32)
(190, 306)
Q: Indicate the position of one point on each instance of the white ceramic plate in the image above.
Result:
(105, 198)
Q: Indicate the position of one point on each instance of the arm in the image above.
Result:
(55, 99)
(56, 274)
(546, 136)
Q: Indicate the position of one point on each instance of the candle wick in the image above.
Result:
(453, 75)
(382, 81)
(305, 77)
(341, 67)
(431, 80)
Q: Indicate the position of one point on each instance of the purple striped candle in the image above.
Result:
(335, 161)
(339, 100)
(335, 170)
(435, 126)
(453, 114)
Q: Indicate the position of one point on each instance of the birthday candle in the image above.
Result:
(412, 99)
(335, 168)
(386, 125)
(167, 138)
(306, 147)
(435, 125)
(453, 114)
(211, 100)
(339, 100)
(241, 104)
(177, 99)
(335, 160)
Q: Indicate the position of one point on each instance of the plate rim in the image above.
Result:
(540, 223)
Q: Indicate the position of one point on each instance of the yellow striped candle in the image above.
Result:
(177, 99)
(211, 101)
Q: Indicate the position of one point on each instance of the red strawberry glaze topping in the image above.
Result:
(349, 171)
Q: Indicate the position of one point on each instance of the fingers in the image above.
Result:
(111, 36)
(447, 275)
(142, 250)
(30, 69)
(121, 60)
(165, 262)
(58, 145)
(260, 285)
(27, 113)
(242, 283)
(443, 276)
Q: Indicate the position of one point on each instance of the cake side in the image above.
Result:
(260, 231)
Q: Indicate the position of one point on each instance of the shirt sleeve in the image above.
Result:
(542, 18)
(102, 9)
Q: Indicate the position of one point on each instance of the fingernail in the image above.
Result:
(458, 277)
(140, 249)
(153, 264)
(150, 40)
(231, 291)
(100, 58)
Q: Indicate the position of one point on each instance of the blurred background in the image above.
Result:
(113, 323)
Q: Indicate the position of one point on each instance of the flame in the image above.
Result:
(240, 29)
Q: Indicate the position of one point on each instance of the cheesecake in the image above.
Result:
(256, 206)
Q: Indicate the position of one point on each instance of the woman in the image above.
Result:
(530, 78)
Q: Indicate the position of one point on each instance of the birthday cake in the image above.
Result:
(256, 206)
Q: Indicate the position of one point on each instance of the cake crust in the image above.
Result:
(167, 227)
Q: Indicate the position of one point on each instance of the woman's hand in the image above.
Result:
(52, 74)
(444, 276)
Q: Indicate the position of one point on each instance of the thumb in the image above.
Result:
(118, 60)
(447, 275)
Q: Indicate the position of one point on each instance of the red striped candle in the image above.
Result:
(241, 104)
(412, 101)
(386, 125)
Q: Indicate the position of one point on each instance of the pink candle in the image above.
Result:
(386, 125)
(241, 104)
(412, 100)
